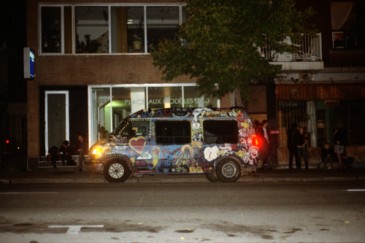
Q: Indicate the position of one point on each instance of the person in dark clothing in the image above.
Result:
(327, 155)
(80, 148)
(66, 153)
(339, 146)
(302, 144)
(292, 133)
(53, 155)
(265, 144)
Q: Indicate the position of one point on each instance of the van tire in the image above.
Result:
(116, 170)
(211, 176)
(228, 169)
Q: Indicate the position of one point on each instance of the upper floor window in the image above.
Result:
(51, 29)
(76, 29)
(127, 29)
(91, 27)
(345, 25)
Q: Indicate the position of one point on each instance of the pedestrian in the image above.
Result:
(53, 155)
(292, 134)
(80, 148)
(302, 144)
(65, 153)
(327, 155)
(339, 146)
(266, 144)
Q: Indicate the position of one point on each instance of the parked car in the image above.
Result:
(216, 142)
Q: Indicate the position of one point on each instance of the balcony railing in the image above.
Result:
(307, 49)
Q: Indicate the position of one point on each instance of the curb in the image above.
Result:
(177, 180)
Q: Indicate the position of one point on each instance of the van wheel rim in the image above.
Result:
(116, 170)
(229, 170)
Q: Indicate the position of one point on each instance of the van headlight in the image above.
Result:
(97, 151)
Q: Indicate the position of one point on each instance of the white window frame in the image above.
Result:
(108, 5)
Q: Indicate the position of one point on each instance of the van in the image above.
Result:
(219, 143)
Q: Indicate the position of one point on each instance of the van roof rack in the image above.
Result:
(185, 112)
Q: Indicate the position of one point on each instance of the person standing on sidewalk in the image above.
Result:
(302, 144)
(339, 146)
(266, 144)
(80, 148)
(292, 133)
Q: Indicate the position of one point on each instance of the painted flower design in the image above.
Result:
(211, 153)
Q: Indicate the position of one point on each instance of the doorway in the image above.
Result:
(56, 118)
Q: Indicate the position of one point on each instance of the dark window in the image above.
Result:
(173, 132)
(346, 24)
(220, 131)
(51, 29)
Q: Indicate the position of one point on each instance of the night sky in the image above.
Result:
(12, 36)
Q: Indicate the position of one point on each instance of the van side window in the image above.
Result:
(140, 128)
(173, 132)
(220, 131)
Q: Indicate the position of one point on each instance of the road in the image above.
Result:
(183, 212)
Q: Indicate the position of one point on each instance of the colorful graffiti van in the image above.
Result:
(217, 142)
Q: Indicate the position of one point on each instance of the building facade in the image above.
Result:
(93, 68)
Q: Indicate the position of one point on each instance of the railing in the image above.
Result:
(307, 48)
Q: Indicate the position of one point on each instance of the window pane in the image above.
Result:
(162, 23)
(164, 97)
(101, 113)
(68, 29)
(220, 132)
(127, 29)
(92, 29)
(173, 132)
(192, 98)
(121, 104)
(51, 29)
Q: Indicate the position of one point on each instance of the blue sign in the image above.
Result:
(29, 63)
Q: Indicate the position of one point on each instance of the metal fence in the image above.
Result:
(307, 48)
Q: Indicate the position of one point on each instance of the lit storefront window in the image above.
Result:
(192, 98)
(100, 113)
(108, 105)
(164, 97)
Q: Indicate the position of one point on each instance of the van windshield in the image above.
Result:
(122, 128)
(132, 127)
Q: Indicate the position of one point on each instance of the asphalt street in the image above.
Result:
(295, 211)
(72, 175)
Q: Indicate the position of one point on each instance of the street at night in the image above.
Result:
(182, 121)
(183, 212)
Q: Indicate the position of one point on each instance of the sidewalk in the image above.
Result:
(72, 175)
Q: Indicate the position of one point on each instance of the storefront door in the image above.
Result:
(56, 118)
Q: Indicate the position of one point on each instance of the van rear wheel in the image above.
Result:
(116, 170)
(228, 170)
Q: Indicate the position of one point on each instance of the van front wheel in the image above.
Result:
(228, 170)
(116, 170)
(211, 176)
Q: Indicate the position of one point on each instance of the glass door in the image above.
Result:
(56, 118)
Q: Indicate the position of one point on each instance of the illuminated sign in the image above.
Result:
(29, 60)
